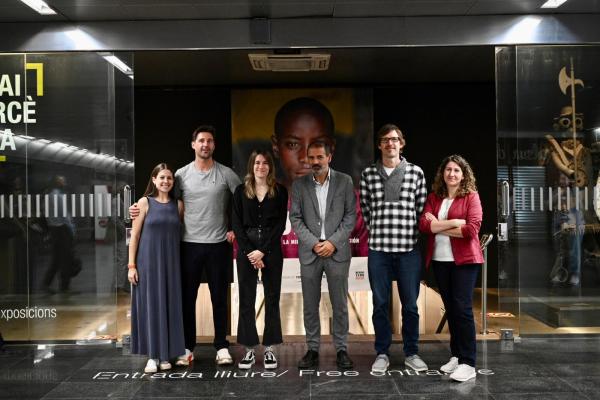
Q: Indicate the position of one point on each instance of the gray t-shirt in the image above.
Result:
(206, 198)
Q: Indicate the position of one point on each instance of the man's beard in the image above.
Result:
(318, 170)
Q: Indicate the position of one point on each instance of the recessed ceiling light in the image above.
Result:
(553, 3)
(40, 6)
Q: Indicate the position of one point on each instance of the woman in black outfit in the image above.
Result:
(259, 218)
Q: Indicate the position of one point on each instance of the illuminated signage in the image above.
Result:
(17, 107)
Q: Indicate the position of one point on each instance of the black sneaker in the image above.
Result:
(270, 360)
(248, 361)
(310, 359)
(343, 361)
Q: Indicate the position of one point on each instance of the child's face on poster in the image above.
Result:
(291, 145)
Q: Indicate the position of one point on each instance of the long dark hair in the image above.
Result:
(249, 181)
(467, 185)
(151, 189)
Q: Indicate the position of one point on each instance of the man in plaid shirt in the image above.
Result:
(392, 196)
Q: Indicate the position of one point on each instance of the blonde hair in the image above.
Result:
(249, 179)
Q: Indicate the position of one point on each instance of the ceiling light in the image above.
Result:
(524, 31)
(117, 62)
(40, 6)
(553, 3)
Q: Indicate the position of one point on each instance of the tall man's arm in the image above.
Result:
(232, 181)
(177, 188)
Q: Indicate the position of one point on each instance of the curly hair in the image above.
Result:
(467, 185)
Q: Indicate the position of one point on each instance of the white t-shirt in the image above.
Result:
(442, 251)
(389, 171)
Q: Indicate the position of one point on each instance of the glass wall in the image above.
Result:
(66, 152)
(548, 113)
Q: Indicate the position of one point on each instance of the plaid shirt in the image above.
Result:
(393, 226)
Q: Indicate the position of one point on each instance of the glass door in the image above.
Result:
(66, 124)
(548, 126)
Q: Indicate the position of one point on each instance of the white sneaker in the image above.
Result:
(248, 361)
(164, 365)
(381, 364)
(415, 363)
(223, 357)
(151, 366)
(463, 373)
(450, 366)
(185, 359)
(269, 360)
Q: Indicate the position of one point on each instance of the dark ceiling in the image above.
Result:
(353, 66)
(370, 66)
(135, 10)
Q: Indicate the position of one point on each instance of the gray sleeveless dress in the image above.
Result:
(156, 316)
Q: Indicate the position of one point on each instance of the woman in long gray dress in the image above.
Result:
(156, 316)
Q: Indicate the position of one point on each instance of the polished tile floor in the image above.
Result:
(559, 368)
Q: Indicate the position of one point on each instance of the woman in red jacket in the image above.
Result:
(452, 218)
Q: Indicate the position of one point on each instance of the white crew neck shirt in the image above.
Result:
(442, 250)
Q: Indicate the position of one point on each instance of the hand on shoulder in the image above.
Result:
(138, 208)
(135, 208)
(143, 202)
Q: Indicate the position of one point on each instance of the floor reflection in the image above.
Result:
(564, 368)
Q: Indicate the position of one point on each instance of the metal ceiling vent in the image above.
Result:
(289, 62)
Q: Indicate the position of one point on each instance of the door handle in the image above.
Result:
(505, 199)
(127, 202)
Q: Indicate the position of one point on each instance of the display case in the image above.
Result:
(548, 131)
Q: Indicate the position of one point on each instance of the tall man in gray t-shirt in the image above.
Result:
(206, 188)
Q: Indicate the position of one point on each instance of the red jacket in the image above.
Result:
(466, 250)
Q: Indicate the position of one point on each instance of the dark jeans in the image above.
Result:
(456, 284)
(215, 259)
(405, 268)
(62, 256)
(247, 280)
(568, 241)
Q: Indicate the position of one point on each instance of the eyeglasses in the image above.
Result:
(395, 139)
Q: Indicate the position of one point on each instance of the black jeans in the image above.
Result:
(247, 280)
(215, 259)
(456, 284)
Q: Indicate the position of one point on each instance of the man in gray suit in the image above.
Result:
(323, 214)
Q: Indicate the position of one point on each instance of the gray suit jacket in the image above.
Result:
(340, 216)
